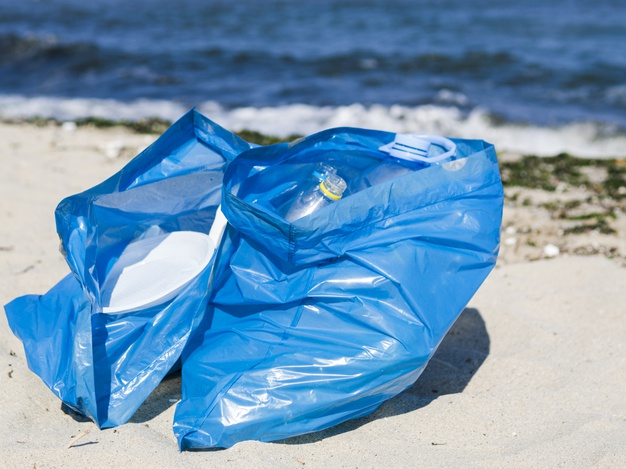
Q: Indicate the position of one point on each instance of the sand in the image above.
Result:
(532, 375)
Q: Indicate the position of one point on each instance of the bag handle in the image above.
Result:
(415, 147)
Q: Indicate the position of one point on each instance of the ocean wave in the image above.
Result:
(67, 109)
(583, 139)
(18, 47)
(48, 51)
(25, 49)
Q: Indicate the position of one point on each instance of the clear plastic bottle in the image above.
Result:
(321, 172)
(390, 168)
(407, 153)
(317, 196)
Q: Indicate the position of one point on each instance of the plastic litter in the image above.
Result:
(322, 319)
(281, 327)
(154, 270)
(140, 246)
(328, 190)
(408, 153)
(412, 147)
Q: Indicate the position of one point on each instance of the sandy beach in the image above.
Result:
(532, 374)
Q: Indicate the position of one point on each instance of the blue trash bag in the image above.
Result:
(104, 363)
(320, 320)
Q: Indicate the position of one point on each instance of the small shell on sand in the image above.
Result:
(550, 250)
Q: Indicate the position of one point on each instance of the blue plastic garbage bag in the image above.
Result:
(321, 320)
(105, 363)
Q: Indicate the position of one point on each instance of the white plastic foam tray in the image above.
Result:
(154, 270)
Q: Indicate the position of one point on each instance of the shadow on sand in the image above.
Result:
(162, 398)
(462, 351)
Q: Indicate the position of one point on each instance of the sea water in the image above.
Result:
(535, 76)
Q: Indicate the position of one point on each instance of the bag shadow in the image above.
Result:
(166, 395)
(162, 398)
(460, 354)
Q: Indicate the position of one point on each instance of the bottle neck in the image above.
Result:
(327, 193)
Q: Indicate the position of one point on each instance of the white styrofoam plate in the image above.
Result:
(154, 270)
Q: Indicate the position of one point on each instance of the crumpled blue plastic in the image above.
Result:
(300, 325)
(105, 365)
(321, 320)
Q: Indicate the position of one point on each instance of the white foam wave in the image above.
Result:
(584, 139)
(19, 107)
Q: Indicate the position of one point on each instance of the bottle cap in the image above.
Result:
(322, 170)
(333, 186)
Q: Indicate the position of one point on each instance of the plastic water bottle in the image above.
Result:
(317, 196)
(390, 168)
(321, 172)
(407, 153)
